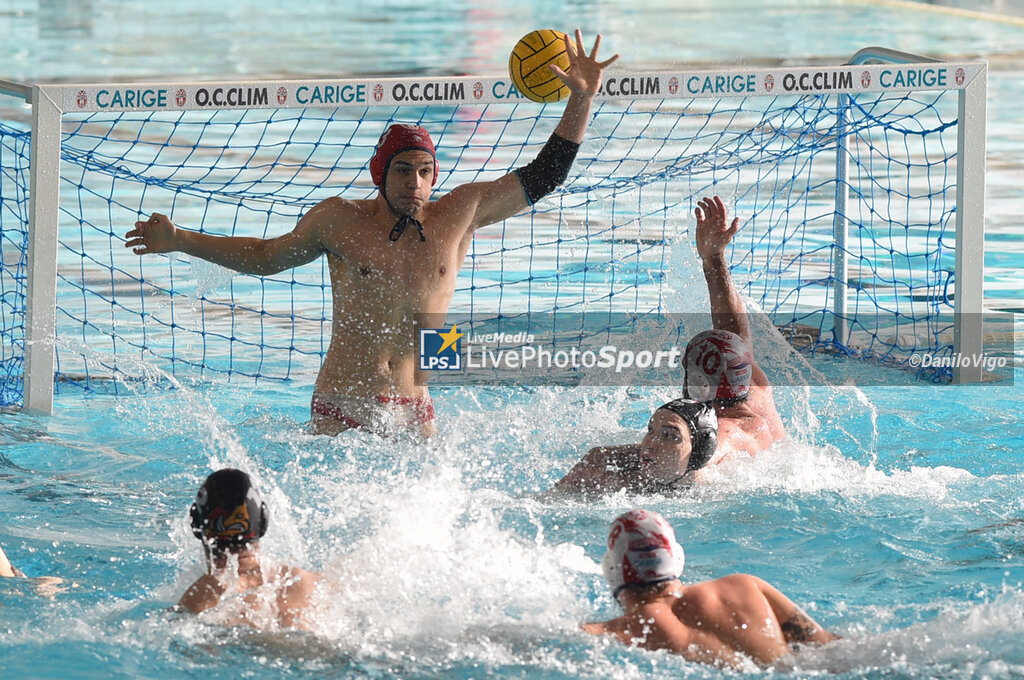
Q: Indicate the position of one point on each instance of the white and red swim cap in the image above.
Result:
(396, 139)
(718, 366)
(642, 550)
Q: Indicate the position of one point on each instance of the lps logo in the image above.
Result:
(440, 350)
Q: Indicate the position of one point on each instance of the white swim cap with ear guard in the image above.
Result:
(718, 366)
(642, 550)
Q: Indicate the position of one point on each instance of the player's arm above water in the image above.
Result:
(713, 234)
(6, 568)
(296, 600)
(516, 191)
(243, 254)
(797, 626)
(201, 595)
(600, 469)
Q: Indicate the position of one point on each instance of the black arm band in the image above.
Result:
(548, 169)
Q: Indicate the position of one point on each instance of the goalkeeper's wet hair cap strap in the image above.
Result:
(549, 168)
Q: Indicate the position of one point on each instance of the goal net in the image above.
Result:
(854, 186)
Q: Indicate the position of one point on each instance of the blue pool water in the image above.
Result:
(893, 519)
(894, 515)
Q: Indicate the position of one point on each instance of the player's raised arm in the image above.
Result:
(714, 232)
(243, 254)
(499, 200)
(583, 80)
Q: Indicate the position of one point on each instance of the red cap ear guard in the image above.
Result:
(396, 139)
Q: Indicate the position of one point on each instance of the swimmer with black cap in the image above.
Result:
(682, 436)
(393, 258)
(735, 621)
(230, 517)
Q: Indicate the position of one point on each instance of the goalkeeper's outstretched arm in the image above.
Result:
(243, 254)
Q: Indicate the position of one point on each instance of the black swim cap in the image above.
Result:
(703, 425)
(229, 510)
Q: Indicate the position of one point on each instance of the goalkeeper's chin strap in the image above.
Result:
(403, 221)
(400, 226)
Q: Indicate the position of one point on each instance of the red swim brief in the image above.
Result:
(422, 409)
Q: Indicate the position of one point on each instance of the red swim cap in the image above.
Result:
(396, 139)
(718, 367)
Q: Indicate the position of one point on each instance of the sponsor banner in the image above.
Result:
(248, 95)
(160, 97)
(830, 80)
(457, 91)
(293, 94)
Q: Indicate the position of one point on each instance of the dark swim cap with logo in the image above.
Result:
(703, 424)
(229, 510)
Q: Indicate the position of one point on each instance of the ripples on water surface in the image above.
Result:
(898, 531)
